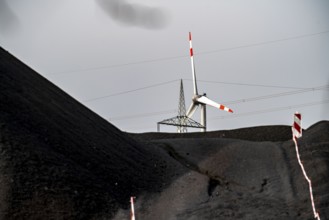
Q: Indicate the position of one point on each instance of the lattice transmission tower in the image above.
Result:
(181, 121)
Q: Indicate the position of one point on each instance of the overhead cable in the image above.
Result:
(247, 84)
(230, 102)
(143, 115)
(129, 91)
(95, 68)
(266, 42)
(271, 110)
(278, 95)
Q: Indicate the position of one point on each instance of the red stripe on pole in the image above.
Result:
(230, 110)
(221, 107)
(298, 115)
(190, 36)
(191, 52)
(297, 127)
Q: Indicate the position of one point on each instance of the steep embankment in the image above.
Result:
(260, 133)
(238, 179)
(58, 159)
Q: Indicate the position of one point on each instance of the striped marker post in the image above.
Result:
(132, 213)
(297, 133)
(297, 126)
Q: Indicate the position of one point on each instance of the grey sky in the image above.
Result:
(91, 53)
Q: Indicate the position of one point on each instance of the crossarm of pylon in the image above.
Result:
(182, 121)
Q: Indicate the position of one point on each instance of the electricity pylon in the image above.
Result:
(181, 121)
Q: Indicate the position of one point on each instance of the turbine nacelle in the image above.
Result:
(196, 97)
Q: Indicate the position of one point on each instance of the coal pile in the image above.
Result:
(59, 160)
(241, 179)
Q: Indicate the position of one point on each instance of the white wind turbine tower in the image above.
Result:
(201, 100)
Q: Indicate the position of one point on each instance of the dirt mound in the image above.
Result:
(59, 160)
(261, 133)
(238, 179)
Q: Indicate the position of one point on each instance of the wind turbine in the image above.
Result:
(201, 100)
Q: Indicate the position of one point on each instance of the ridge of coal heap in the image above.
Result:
(59, 160)
(58, 157)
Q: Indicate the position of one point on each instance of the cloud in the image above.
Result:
(135, 14)
(8, 20)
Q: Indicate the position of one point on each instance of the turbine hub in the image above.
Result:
(195, 98)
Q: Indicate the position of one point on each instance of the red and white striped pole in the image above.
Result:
(297, 126)
(297, 133)
(132, 213)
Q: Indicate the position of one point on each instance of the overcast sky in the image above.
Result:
(124, 59)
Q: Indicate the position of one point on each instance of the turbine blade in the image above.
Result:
(191, 110)
(192, 64)
(207, 101)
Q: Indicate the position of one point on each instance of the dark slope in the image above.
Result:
(237, 179)
(60, 159)
(314, 148)
(261, 133)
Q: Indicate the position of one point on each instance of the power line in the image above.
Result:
(304, 105)
(247, 84)
(230, 83)
(278, 95)
(266, 42)
(271, 110)
(129, 91)
(230, 102)
(185, 56)
(142, 115)
(119, 65)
